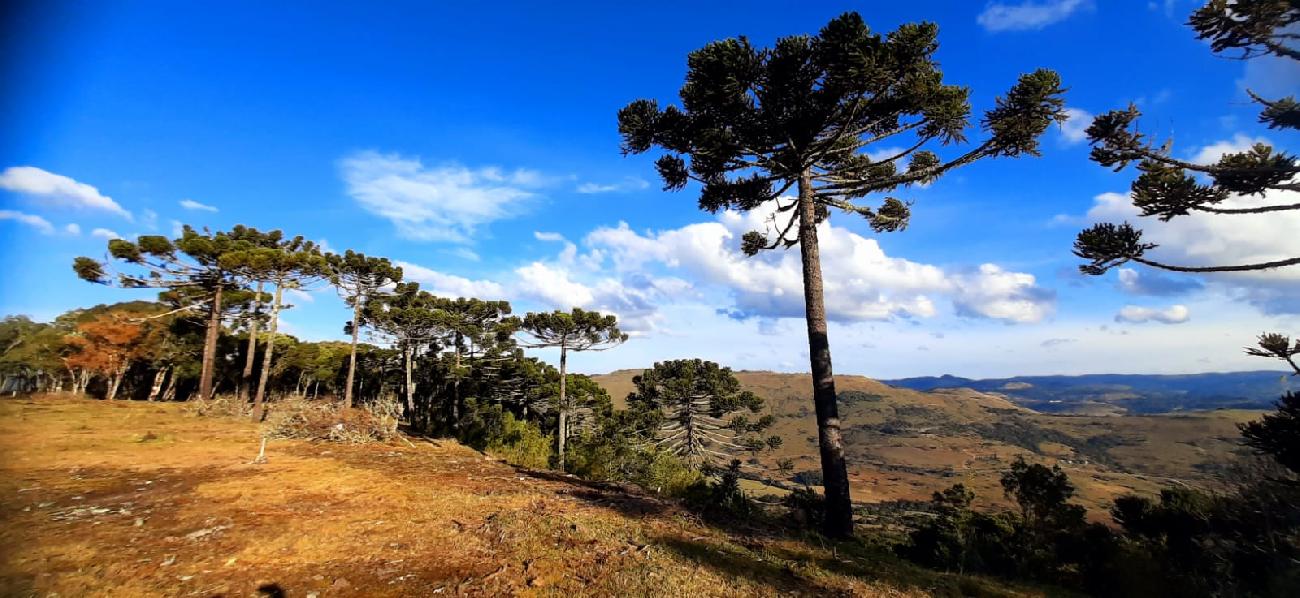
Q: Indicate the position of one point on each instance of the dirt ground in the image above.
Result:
(140, 499)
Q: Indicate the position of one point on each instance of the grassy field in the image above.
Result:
(904, 444)
(140, 499)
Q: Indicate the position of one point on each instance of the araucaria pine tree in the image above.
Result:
(698, 410)
(805, 115)
(286, 264)
(1168, 187)
(357, 278)
(190, 265)
(578, 330)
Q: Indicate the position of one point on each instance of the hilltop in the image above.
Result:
(904, 444)
(142, 499)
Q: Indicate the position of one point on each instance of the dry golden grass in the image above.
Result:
(137, 499)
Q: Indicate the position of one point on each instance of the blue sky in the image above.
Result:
(477, 144)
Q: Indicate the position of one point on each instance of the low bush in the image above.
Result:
(326, 420)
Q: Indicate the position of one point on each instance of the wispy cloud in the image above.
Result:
(1028, 15)
(436, 203)
(190, 204)
(450, 285)
(31, 220)
(57, 190)
(73, 228)
(627, 184)
(105, 234)
(545, 236)
(1133, 314)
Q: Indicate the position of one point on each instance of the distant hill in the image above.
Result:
(905, 444)
(1100, 394)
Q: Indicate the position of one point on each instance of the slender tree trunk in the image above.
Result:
(259, 405)
(564, 406)
(169, 390)
(156, 388)
(835, 477)
(410, 385)
(352, 357)
(315, 390)
(455, 386)
(210, 344)
(246, 379)
(115, 382)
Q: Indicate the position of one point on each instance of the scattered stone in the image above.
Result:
(139, 522)
(168, 560)
(341, 584)
(205, 532)
(186, 577)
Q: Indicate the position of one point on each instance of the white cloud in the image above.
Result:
(997, 294)
(450, 285)
(178, 228)
(1074, 129)
(439, 203)
(31, 220)
(1027, 15)
(57, 190)
(1153, 283)
(1210, 154)
(861, 282)
(1133, 314)
(553, 286)
(190, 204)
(627, 184)
(545, 236)
(105, 234)
(73, 228)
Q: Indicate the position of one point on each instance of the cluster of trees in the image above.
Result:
(456, 366)
(1243, 540)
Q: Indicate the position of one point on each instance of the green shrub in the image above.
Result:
(521, 443)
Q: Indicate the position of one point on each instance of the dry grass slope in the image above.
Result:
(906, 444)
(136, 499)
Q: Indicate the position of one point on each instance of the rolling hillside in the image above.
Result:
(904, 444)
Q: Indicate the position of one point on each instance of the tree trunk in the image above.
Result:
(259, 406)
(315, 390)
(835, 477)
(352, 358)
(564, 407)
(210, 344)
(455, 386)
(169, 390)
(410, 385)
(157, 383)
(246, 379)
(114, 382)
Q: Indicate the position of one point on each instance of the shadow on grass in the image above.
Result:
(602, 494)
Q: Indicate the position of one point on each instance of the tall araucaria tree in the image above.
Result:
(472, 326)
(357, 278)
(190, 264)
(806, 114)
(1168, 187)
(287, 264)
(577, 330)
(409, 318)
